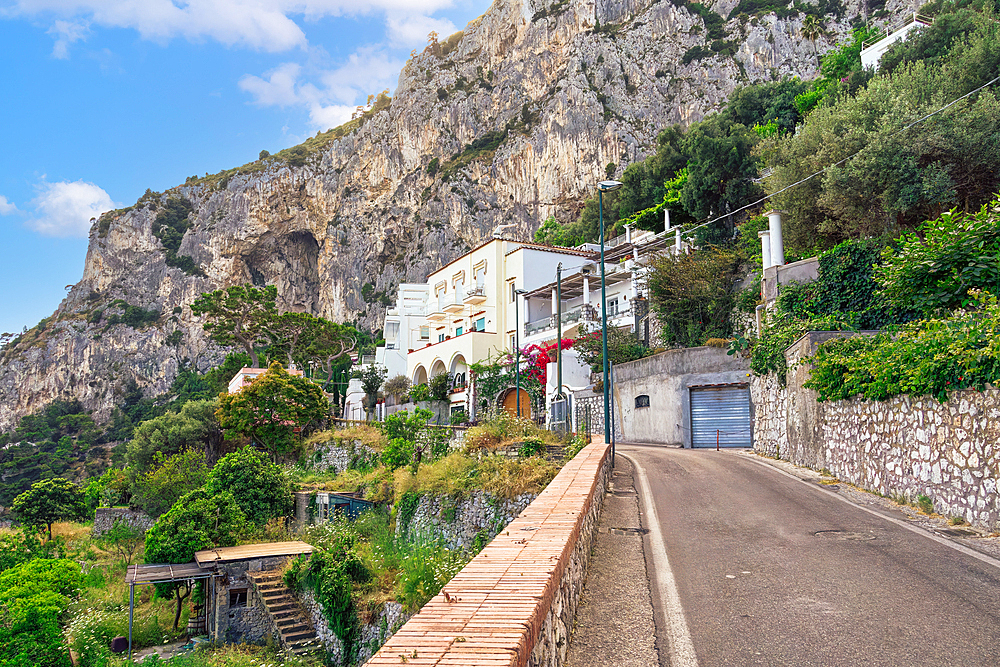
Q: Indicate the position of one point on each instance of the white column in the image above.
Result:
(765, 248)
(777, 246)
(678, 244)
(586, 290)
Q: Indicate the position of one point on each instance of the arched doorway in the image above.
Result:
(459, 371)
(419, 375)
(509, 403)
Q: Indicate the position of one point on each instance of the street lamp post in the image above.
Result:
(602, 187)
(559, 383)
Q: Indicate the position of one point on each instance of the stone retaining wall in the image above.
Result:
(904, 446)
(514, 603)
(458, 522)
(371, 635)
(105, 517)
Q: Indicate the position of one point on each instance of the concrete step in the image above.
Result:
(303, 634)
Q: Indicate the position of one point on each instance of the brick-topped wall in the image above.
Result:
(514, 603)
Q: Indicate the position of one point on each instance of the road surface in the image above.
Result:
(750, 566)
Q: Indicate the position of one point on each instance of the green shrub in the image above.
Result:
(169, 227)
(406, 507)
(925, 504)
(934, 272)
(440, 386)
(531, 447)
(34, 597)
(419, 393)
(768, 352)
(398, 453)
(260, 487)
(929, 357)
(425, 569)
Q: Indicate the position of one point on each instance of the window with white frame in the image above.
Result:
(479, 274)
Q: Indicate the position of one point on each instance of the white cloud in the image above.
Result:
(413, 30)
(325, 117)
(65, 208)
(6, 207)
(66, 32)
(334, 96)
(277, 90)
(267, 25)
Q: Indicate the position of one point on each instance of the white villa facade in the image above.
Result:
(466, 311)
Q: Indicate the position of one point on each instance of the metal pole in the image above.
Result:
(517, 351)
(611, 390)
(604, 328)
(131, 605)
(559, 382)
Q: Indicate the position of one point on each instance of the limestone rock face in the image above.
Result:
(365, 208)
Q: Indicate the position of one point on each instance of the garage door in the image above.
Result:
(723, 412)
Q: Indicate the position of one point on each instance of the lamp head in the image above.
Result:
(609, 186)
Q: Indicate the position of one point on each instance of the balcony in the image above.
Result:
(454, 304)
(578, 314)
(475, 296)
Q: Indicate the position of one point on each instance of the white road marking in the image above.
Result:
(913, 529)
(681, 647)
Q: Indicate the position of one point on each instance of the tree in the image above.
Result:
(371, 377)
(693, 295)
(330, 347)
(194, 427)
(196, 522)
(48, 501)
(239, 315)
(811, 30)
(623, 346)
(292, 333)
(259, 486)
(123, 539)
(270, 408)
(884, 172)
(156, 491)
(263, 155)
(397, 387)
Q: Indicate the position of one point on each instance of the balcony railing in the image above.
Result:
(475, 295)
(580, 313)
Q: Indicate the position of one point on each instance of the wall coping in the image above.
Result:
(502, 597)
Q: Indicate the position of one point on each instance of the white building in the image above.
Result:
(247, 375)
(476, 307)
(873, 49)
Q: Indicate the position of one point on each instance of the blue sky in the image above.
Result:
(101, 99)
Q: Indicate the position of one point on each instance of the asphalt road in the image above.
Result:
(749, 566)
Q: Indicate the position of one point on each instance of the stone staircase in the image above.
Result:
(295, 631)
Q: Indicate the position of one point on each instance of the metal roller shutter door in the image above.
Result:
(722, 410)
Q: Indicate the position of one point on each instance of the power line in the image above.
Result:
(842, 161)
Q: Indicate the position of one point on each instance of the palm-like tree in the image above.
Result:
(811, 30)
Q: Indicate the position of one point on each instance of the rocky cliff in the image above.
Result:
(511, 121)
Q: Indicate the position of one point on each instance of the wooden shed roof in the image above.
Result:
(161, 573)
(210, 557)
